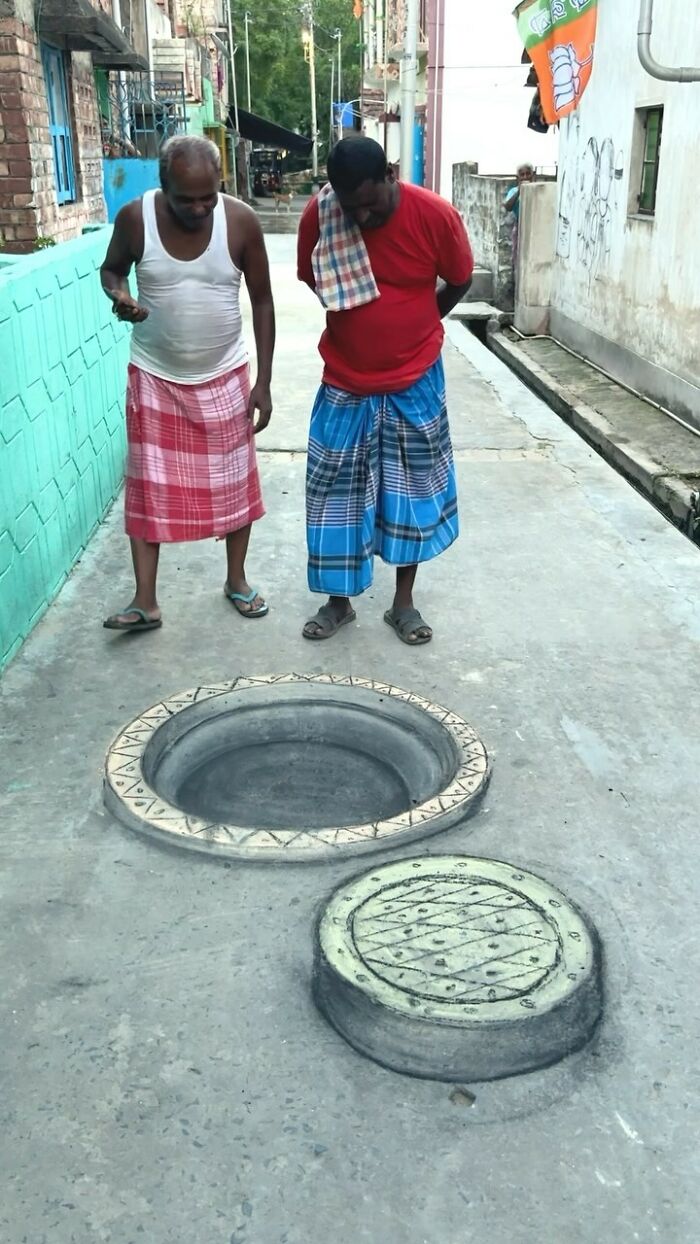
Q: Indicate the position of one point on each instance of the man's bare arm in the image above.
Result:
(449, 295)
(118, 263)
(256, 270)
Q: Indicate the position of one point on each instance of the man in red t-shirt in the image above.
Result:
(380, 476)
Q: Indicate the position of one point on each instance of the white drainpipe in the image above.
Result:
(652, 66)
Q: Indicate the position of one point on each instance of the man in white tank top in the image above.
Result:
(191, 413)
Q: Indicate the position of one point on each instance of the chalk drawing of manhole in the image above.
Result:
(457, 968)
(295, 767)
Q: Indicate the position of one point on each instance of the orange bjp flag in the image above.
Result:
(559, 37)
(358, 9)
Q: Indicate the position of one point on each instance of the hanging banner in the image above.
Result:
(357, 9)
(559, 36)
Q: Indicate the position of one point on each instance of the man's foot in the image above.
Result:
(246, 600)
(329, 620)
(408, 624)
(133, 618)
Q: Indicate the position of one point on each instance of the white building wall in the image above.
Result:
(626, 289)
(485, 104)
(158, 21)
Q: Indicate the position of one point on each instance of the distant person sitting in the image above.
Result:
(511, 203)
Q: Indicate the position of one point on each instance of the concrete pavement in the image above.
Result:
(166, 1076)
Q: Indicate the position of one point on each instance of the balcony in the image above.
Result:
(396, 28)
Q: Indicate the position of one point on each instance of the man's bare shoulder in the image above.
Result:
(128, 223)
(127, 239)
(239, 213)
(130, 214)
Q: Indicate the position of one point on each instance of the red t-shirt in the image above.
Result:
(388, 344)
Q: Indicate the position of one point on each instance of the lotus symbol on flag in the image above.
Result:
(566, 74)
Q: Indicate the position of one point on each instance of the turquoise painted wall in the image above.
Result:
(196, 119)
(208, 117)
(62, 437)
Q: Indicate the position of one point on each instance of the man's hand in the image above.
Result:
(126, 308)
(260, 400)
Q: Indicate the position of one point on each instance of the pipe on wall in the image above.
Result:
(663, 72)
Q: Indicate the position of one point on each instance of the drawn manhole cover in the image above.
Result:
(295, 767)
(456, 968)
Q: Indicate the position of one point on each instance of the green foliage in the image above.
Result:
(278, 71)
(38, 244)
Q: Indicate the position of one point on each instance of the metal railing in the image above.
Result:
(141, 111)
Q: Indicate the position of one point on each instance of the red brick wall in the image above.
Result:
(28, 206)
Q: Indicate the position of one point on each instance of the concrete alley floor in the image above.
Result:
(166, 1075)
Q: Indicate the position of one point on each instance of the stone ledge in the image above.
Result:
(670, 479)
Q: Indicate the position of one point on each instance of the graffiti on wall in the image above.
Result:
(568, 182)
(589, 200)
(600, 180)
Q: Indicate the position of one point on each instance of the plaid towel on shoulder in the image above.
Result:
(342, 270)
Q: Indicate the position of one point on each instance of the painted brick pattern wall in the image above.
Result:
(62, 440)
(28, 206)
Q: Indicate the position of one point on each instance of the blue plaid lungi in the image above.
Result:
(380, 480)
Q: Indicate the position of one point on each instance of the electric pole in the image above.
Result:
(331, 132)
(310, 52)
(409, 75)
(232, 66)
(247, 54)
(339, 35)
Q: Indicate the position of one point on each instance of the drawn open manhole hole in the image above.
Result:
(294, 767)
(456, 968)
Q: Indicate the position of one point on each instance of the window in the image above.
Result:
(651, 120)
(54, 63)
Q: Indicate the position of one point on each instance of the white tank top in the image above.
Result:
(193, 331)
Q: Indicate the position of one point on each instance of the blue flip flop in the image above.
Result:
(236, 597)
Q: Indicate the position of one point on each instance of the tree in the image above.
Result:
(278, 72)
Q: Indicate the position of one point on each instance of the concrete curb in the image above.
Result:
(672, 495)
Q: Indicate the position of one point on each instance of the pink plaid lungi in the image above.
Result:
(192, 471)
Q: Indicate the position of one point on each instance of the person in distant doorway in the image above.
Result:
(190, 411)
(511, 203)
(380, 476)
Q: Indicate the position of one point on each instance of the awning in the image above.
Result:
(78, 27)
(258, 130)
(129, 59)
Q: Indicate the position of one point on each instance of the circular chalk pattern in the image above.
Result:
(457, 968)
(295, 767)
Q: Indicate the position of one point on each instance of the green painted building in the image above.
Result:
(62, 435)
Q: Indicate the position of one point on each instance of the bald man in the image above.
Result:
(191, 412)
